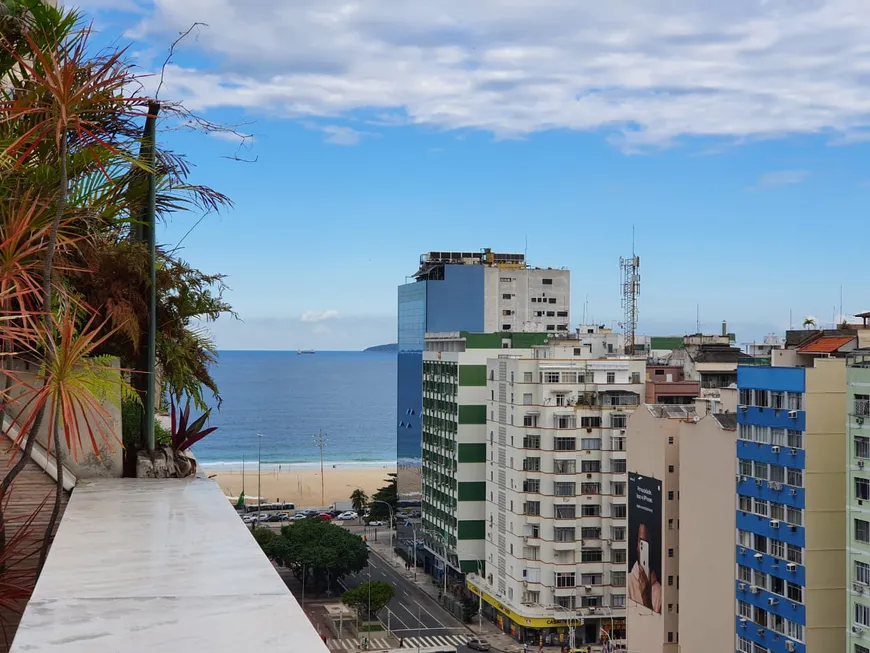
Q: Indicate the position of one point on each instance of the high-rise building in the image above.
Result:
(556, 487)
(478, 292)
(858, 488)
(455, 398)
(680, 566)
(791, 500)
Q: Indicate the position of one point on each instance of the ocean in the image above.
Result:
(350, 396)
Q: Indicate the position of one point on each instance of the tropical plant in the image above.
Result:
(369, 598)
(185, 433)
(387, 494)
(809, 322)
(359, 500)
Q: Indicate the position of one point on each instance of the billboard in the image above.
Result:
(645, 541)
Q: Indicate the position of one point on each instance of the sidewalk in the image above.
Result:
(497, 639)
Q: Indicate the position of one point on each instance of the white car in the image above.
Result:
(297, 517)
(345, 516)
(376, 523)
(249, 519)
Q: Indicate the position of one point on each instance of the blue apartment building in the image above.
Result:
(771, 578)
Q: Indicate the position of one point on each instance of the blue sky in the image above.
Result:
(733, 136)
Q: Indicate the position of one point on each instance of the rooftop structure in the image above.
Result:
(159, 565)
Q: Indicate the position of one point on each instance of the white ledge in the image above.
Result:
(156, 565)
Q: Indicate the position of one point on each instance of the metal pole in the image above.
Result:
(151, 227)
(259, 461)
(243, 480)
(445, 561)
(320, 441)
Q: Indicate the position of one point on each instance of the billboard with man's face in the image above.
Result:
(645, 541)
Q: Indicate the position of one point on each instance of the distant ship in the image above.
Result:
(299, 352)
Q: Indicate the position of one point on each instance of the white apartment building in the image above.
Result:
(556, 490)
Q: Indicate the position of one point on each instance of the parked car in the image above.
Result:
(281, 516)
(297, 517)
(350, 514)
(376, 522)
(325, 516)
(477, 644)
(249, 519)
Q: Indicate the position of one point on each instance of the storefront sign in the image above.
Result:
(530, 622)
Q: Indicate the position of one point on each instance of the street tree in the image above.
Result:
(359, 499)
(387, 494)
(369, 598)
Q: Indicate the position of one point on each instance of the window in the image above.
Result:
(777, 511)
(744, 609)
(590, 443)
(861, 649)
(862, 405)
(862, 572)
(590, 579)
(760, 398)
(552, 300)
(759, 543)
(530, 420)
(547, 282)
(532, 508)
(744, 574)
(551, 377)
(777, 399)
(532, 485)
(506, 295)
(566, 444)
(565, 466)
(862, 488)
(506, 279)
(590, 510)
(507, 312)
(670, 580)
(617, 600)
(745, 397)
(590, 488)
(617, 556)
(590, 533)
(527, 377)
(795, 592)
(566, 511)
(561, 313)
(617, 533)
(617, 443)
(761, 507)
(760, 470)
(744, 503)
(794, 516)
(617, 488)
(795, 401)
(505, 327)
(568, 602)
(743, 645)
(565, 579)
(671, 469)
(862, 615)
(551, 314)
(795, 439)
(569, 377)
(590, 466)
(590, 422)
(744, 467)
(551, 327)
(777, 549)
(563, 534)
(619, 511)
(617, 466)
(862, 447)
(532, 464)
(777, 473)
(762, 434)
(744, 432)
(527, 398)
(777, 437)
(611, 377)
(862, 530)
(618, 421)
(794, 554)
(532, 442)
(795, 477)
(564, 489)
(591, 555)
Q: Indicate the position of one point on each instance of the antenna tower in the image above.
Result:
(630, 268)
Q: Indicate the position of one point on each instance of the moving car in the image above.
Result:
(477, 644)
(376, 522)
(298, 516)
(350, 514)
(325, 516)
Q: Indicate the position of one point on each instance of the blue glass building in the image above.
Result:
(771, 577)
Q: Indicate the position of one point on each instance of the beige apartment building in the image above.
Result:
(681, 530)
(556, 489)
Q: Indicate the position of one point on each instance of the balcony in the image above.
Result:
(147, 565)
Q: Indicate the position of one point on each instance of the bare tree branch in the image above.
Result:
(168, 59)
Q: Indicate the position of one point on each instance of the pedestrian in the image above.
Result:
(401, 642)
(525, 647)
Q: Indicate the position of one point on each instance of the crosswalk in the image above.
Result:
(410, 643)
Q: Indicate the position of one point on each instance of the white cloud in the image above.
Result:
(649, 72)
(340, 135)
(319, 316)
(781, 178)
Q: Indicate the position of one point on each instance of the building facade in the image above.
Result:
(556, 488)
(478, 292)
(667, 385)
(790, 512)
(858, 488)
(680, 472)
(455, 400)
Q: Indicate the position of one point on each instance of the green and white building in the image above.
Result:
(858, 491)
(455, 398)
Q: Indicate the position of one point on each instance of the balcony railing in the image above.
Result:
(861, 408)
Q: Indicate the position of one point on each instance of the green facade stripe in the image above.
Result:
(666, 342)
(472, 491)
(472, 529)
(494, 340)
(528, 340)
(472, 414)
(482, 340)
(472, 452)
(472, 567)
(472, 375)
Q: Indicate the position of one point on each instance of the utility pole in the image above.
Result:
(259, 462)
(320, 441)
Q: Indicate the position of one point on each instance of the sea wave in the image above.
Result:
(236, 465)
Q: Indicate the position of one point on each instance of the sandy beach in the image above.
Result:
(303, 486)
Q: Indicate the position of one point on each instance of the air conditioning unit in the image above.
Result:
(793, 452)
(860, 420)
(775, 449)
(857, 630)
(791, 566)
(743, 622)
(758, 482)
(758, 556)
(755, 589)
(789, 646)
(858, 587)
(792, 414)
(774, 523)
(793, 492)
(744, 408)
(774, 485)
(592, 610)
(742, 587)
(588, 588)
(860, 464)
(744, 478)
(772, 601)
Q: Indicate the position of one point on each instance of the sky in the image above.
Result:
(732, 137)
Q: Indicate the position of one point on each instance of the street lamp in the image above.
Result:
(610, 613)
(259, 463)
(572, 618)
(390, 508)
